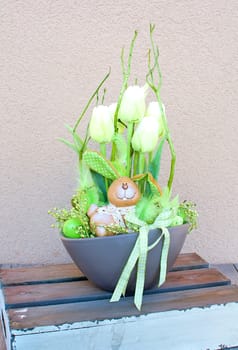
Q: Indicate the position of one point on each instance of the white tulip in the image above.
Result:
(112, 109)
(101, 128)
(146, 135)
(154, 110)
(132, 108)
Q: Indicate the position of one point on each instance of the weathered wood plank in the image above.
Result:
(40, 274)
(189, 261)
(26, 318)
(33, 295)
(229, 270)
(69, 272)
(188, 279)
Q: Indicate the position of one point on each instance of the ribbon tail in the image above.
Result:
(155, 243)
(164, 256)
(126, 272)
(141, 267)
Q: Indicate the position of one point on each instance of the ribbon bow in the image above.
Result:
(139, 253)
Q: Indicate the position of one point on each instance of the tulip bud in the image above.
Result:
(132, 108)
(146, 135)
(101, 128)
(112, 109)
(154, 110)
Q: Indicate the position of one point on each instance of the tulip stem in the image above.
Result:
(91, 99)
(130, 129)
(135, 163)
(103, 150)
(141, 170)
(141, 163)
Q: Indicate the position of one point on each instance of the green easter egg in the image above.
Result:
(70, 228)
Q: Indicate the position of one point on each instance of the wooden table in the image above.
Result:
(56, 307)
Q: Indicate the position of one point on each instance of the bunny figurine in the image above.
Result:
(123, 194)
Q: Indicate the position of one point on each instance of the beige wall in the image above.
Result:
(52, 55)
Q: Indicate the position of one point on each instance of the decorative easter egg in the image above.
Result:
(123, 192)
(70, 228)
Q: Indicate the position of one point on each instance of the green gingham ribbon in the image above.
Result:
(139, 253)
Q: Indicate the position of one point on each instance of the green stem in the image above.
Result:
(130, 128)
(155, 50)
(90, 100)
(170, 143)
(135, 163)
(156, 89)
(126, 75)
(173, 163)
(103, 150)
(141, 171)
(141, 163)
(103, 96)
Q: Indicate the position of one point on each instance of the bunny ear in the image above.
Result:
(154, 186)
(96, 162)
(139, 177)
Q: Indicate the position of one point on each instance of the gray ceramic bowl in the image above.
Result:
(102, 259)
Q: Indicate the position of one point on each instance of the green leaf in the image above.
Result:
(154, 186)
(69, 128)
(100, 183)
(120, 146)
(100, 165)
(77, 139)
(175, 202)
(164, 199)
(166, 202)
(147, 209)
(92, 196)
(69, 144)
(154, 166)
(120, 168)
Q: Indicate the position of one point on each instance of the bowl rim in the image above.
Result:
(131, 234)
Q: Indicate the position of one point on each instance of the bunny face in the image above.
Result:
(123, 192)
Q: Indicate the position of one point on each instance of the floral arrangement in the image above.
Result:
(118, 190)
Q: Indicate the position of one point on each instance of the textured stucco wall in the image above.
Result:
(52, 55)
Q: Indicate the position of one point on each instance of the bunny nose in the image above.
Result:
(124, 186)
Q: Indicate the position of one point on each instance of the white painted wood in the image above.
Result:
(4, 321)
(193, 329)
